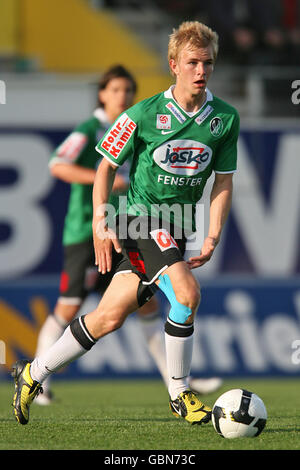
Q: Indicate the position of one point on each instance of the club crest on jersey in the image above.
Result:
(119, 135)
(183, 157)
(163, 121)
(216, 126)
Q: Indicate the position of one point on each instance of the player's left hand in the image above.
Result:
(206, 253)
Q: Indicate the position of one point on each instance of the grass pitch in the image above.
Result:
(134, 415)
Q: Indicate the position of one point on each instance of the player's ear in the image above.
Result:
(173, 66)
(101, 96)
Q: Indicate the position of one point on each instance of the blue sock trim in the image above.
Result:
(179, 313)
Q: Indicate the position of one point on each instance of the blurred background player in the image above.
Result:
(75, 162)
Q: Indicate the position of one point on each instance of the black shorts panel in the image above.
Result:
(80, 275)
(148, 257)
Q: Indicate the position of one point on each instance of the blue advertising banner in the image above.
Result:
(248, 322)
(244, 327)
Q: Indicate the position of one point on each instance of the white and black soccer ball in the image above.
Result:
(239, 413)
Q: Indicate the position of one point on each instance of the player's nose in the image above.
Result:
(201, 71)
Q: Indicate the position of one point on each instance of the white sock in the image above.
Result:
(179, 352)
(152, 329)
(51, 330)
(65, 350)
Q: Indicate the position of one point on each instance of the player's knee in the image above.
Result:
(190, 296)
(184, 301)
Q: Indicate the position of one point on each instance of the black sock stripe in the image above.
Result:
(176, 329)
(81, 333)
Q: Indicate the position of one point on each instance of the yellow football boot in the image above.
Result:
(189, 407)
(25, 390)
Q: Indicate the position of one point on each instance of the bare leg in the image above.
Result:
(119, 300)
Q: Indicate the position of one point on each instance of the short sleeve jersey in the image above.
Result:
(79, 148)
(173, 153)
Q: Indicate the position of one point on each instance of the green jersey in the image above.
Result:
(173, 153)
(79, 148)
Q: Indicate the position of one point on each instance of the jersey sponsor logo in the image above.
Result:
(204, 115)
(163, 121)
(216, 126)
(175, 111)
(163, 239)
(71, 148)
(183, 157)
(178, 180)
(119, 135)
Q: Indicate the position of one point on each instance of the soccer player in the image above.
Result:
(75, 162)
(176, 139)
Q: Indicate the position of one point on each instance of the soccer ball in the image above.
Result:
(239, 413)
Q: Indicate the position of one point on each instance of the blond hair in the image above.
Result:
(194, 33)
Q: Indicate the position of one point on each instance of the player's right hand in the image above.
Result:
(206, 253)
(104, 240)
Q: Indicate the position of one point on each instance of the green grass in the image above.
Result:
(134, 415)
